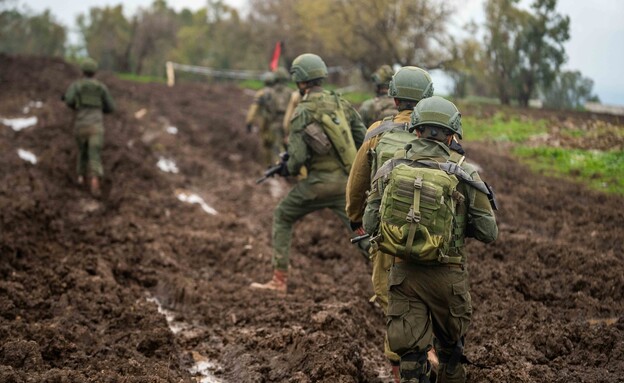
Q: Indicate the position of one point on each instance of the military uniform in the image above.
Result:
(432, 298)
(89, 98)
(377, 108)
(327, 177)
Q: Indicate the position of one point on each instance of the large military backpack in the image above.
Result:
(418, 209)
(275, 101)
(394, 136)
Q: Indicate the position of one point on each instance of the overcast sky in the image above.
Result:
(596, 46)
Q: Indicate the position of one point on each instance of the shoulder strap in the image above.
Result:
(385, 126)
(456, 170)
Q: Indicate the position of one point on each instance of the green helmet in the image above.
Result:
(89, 65)
(268, 78)
(281, 75)
(411, 83)
(308, 67)
(437, 111)
(383, 75)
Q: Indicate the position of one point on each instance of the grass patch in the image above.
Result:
(501, 128)
(141, 79)
(602, 170)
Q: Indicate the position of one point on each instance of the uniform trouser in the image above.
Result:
(89, 140)
(426, 301)
(305, 198)
(272, 135)
(381, 267)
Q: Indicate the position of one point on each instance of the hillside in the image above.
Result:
(141, 286)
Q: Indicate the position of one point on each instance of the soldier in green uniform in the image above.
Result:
(325, 134)
(89, 98)
(268, 109)
(408, 86)
(382, 105)
(432, 298)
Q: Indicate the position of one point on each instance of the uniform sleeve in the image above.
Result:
(108, 105)
(252, 113)
(358, 183)
(297, 148)
(71, 96)
(481, 223)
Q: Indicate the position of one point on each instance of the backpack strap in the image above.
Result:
(456, 170)
(385, 126)
(413, 217)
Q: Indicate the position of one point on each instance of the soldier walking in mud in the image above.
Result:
(89, 98)
(268, 110)
(325, 134)
(382, 105)
(406, 88)
(428, 282)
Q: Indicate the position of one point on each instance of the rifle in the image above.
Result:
(359, 238)
(279, 168)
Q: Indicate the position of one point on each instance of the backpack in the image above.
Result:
(89, 94)
(419, 207)
(395, 137)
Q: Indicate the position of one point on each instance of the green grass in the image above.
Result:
(500, 128)
(141, 79)
(602, 170)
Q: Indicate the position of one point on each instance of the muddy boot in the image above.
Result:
(277, 283)
(95, 187)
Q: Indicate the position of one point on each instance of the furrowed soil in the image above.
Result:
(141, 286)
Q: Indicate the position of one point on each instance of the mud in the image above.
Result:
(79, 276)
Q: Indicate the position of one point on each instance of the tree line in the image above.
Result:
(516, 55)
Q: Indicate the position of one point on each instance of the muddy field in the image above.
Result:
(141, 286)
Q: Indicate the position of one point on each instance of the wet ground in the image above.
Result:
(149, 283)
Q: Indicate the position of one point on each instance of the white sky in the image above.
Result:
(596, 46)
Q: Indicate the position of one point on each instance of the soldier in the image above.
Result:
(268, 110)
(325, 134)
(382, 105)
(407, 87)
(430, 296)
(89, 98)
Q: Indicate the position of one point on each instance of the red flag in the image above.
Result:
(276, 55)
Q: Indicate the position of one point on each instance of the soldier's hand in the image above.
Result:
(357, 228)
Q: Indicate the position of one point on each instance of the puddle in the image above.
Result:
(172, 130)
(27, 156)
(167, 165)
(194, 198)
(32, 104)
(18, 124)
(203, 368)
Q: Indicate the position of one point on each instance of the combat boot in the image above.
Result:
(277, 283)
(95, 186)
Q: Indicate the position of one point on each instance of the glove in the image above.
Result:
(456, 146)
(283, 172)
(249, 128)
(357, 228)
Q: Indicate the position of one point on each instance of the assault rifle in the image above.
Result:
(279, 169)
(360, 238)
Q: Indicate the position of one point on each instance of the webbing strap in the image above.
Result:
(384, 127)
(460, 173)
(413, 216)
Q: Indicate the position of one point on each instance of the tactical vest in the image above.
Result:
(329, 135)
(394, 136)
(275, 101)
(89, 94)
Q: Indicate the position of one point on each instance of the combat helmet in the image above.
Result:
(436, 111)
(308, 67)
(411, 83)
(268, 78)
(89, 65)
(281, 75)
(382, 76)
